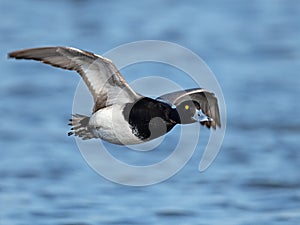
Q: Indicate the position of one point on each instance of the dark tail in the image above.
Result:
(80, 127)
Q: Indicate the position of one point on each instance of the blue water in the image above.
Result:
(253, 49)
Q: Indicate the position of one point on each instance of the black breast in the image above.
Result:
(149, 118)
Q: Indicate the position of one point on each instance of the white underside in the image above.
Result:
(109, 124)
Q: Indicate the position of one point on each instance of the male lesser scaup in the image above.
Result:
(120, 115)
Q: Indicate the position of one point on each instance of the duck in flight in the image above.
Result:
(120, 115)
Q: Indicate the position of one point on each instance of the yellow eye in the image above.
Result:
(186, 107)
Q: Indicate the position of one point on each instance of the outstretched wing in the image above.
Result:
(103, 79)
(207, 101)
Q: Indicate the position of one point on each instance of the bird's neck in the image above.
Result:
(150, 118)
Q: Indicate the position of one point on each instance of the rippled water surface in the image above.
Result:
(252, 47)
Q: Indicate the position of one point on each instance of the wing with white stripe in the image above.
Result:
(103, 79)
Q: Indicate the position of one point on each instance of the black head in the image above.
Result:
(189, 112)
(186, 112)
(194, 105)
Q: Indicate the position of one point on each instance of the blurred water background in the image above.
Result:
(252, 47)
